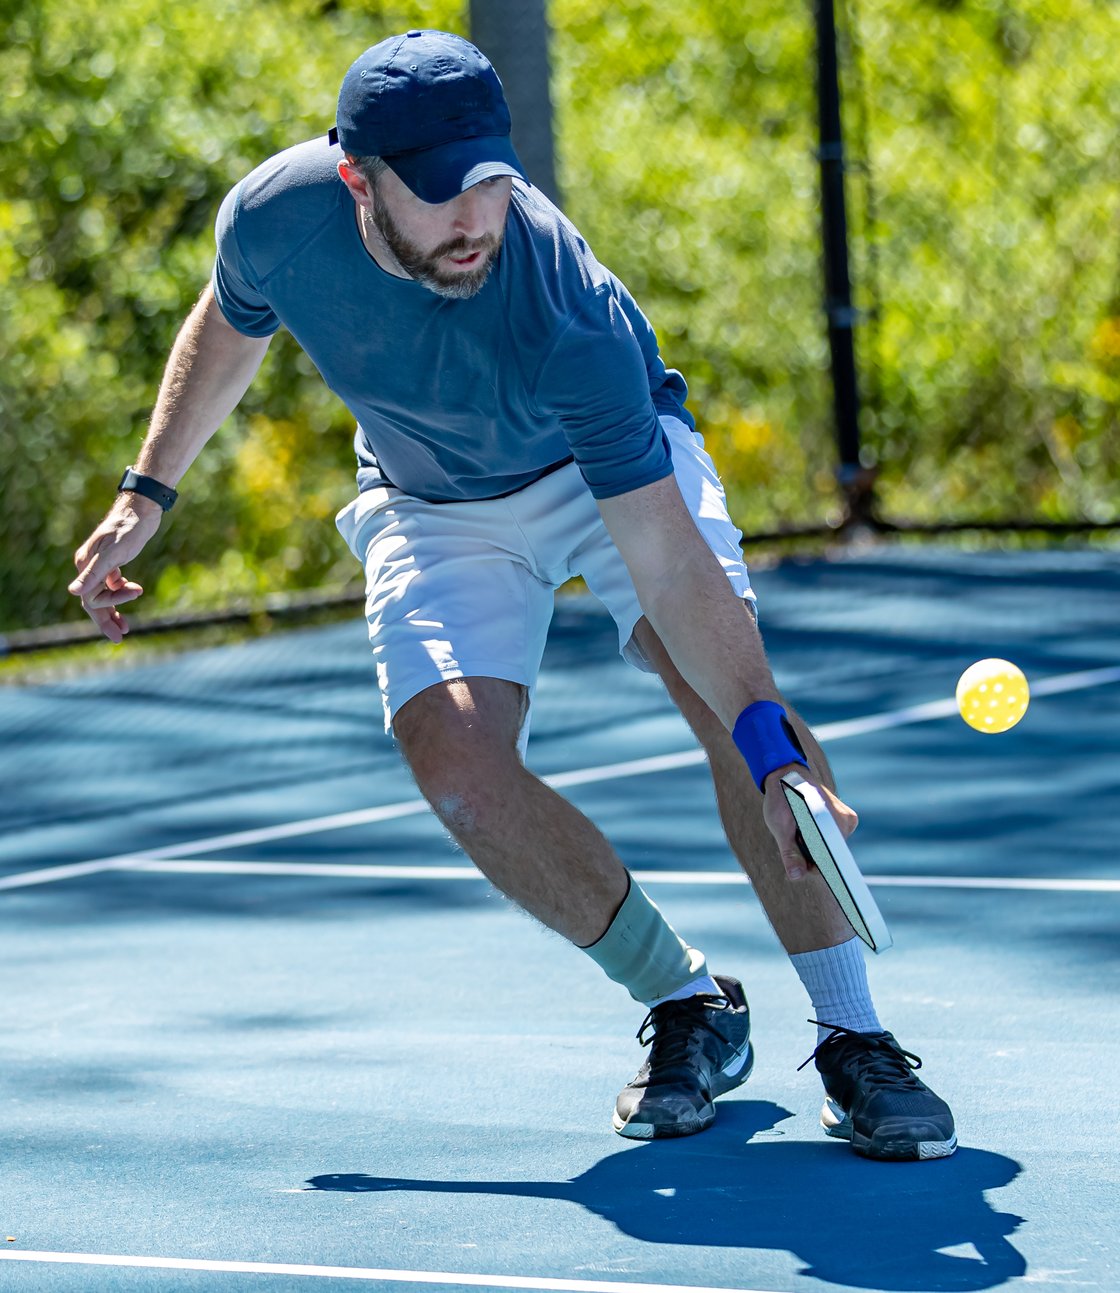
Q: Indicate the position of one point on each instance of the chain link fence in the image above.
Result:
(990, 257)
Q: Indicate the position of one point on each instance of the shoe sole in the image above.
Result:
(889, 1147)
(733, 1074)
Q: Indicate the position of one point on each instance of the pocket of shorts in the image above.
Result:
(353, 518)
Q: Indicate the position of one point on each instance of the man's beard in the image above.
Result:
(424, 266)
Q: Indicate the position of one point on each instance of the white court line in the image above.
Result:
(51, 873)
(236, 839)
(1075, 681)
(995, 882)
(375, 871)
(839, 731)
(372, 1274)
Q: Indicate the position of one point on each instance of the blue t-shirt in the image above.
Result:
(455, 399)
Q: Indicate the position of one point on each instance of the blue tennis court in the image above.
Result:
(265, 1029)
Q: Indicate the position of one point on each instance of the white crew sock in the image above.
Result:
(704, 983)
(836, 980)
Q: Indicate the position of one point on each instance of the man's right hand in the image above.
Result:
(102, 588)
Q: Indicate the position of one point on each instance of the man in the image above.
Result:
(516, 426)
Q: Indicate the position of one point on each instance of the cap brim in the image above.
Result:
(442, 173)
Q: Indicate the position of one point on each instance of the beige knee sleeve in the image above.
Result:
(642, 951)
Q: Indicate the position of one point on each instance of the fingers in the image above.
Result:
(105, 597)
(795, 863)
(94, 568)
(102, 590)
(100, 583)
(846, 818)
(119, 538)
(117, 589)
(783, 827)
(98, 592)
(110, 622)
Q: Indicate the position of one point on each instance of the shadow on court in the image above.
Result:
(854, 1223)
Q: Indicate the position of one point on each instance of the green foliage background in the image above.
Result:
(988, 261)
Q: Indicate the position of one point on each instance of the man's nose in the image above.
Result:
(469, 218)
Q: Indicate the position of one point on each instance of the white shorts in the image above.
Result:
(458, 590)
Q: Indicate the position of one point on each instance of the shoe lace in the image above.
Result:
(669, 1029)
(880, 1060)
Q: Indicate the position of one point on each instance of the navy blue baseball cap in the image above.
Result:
(431, 105)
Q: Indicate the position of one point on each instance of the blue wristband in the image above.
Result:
(766, 739)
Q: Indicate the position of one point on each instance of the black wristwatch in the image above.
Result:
(151, 488)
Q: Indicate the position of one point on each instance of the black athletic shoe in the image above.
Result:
(698, 1048)
(875, 1101)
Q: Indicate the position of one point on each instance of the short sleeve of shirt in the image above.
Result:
(233, 279)
(596, 381)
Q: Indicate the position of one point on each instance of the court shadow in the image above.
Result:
(882, 1226)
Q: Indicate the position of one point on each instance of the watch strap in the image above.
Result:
(149, 487)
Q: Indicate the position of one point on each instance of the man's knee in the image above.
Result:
(468, 791)
(459, 740)
(703, 721)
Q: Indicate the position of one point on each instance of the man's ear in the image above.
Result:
(355, 181)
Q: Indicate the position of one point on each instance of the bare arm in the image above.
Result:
(685, 595)
(709, 634)
(209, 370)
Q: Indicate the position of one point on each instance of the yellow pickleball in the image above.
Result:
(992, 695)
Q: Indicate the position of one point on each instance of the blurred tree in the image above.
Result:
(686, 142)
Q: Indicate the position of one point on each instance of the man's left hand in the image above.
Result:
(779, 819)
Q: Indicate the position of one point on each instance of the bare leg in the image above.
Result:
(804, 914)
(460, 740)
